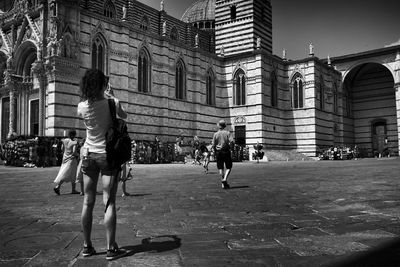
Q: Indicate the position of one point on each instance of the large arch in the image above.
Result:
(25, 56)
(371, 123)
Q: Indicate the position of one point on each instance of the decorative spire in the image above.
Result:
(164, 28)
(284, 54)
(329, 61)
(196, 40)
(311, 48)
(162, 5)
(124, 12)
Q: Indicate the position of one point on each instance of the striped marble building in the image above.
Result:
(178, 77)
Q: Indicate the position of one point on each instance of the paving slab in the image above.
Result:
(325, 213)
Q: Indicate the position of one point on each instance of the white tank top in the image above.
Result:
(97, 119)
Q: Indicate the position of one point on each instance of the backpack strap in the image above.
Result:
(113, 109)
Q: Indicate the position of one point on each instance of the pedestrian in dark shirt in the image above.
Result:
(220, 143)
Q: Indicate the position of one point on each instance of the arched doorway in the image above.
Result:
(15, 106)
(370, 116)
(5, 101)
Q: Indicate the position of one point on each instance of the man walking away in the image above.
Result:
(220, 143)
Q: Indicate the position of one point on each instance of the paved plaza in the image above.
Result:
(311, 213)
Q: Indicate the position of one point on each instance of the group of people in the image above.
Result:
(93, 163)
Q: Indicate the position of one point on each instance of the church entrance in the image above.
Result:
(370, 116)
(379, 138)
(240, 135)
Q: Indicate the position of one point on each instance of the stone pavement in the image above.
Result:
(327, 213)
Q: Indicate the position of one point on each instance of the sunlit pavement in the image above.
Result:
(339, 213)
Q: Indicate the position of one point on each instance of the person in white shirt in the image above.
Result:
(94, 109)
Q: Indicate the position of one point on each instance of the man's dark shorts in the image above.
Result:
(224, 157)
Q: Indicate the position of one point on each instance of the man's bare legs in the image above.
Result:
(123, 187)
(224, 177)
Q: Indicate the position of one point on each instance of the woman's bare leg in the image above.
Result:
(110, 186)
(89, 189)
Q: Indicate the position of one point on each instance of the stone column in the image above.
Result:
(397, 89)
(39, 71)
(10, 84)
(13, 116)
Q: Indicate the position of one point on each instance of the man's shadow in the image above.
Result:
(239, 187)
(154, 244)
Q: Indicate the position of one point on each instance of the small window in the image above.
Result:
(239, 87)
(180, 80)
(144, 24)
(174, 34)
(109, 9)
(274, 90)
(144, 70)
(321, 93)
(98, 54)
(233, 12)
(297, 92)
(210, 87)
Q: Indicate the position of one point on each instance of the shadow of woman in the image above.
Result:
(154, 244)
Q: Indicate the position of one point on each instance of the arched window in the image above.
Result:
(233, 12)
(274, 90)
(297, 91)
(109, 9)
(321, 93)
(99, 54)
(210, 88)
(174, 34)
(144, 24)
(144, 71)
(180, 80)
(335, 98)
(239, 87)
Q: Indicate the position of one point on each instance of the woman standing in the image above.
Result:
(95, 111)
(69, 164)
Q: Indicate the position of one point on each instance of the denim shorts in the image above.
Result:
(97, 163)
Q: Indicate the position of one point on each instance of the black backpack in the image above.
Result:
(118, 142)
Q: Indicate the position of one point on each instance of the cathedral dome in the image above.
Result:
(202, 11)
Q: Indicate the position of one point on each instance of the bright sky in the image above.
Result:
(336, 28)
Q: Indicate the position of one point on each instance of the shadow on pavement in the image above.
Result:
(138, 195)
(387, 254)
(239, 187)
(154, 244)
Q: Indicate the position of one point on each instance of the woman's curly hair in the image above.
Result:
(92, 84)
